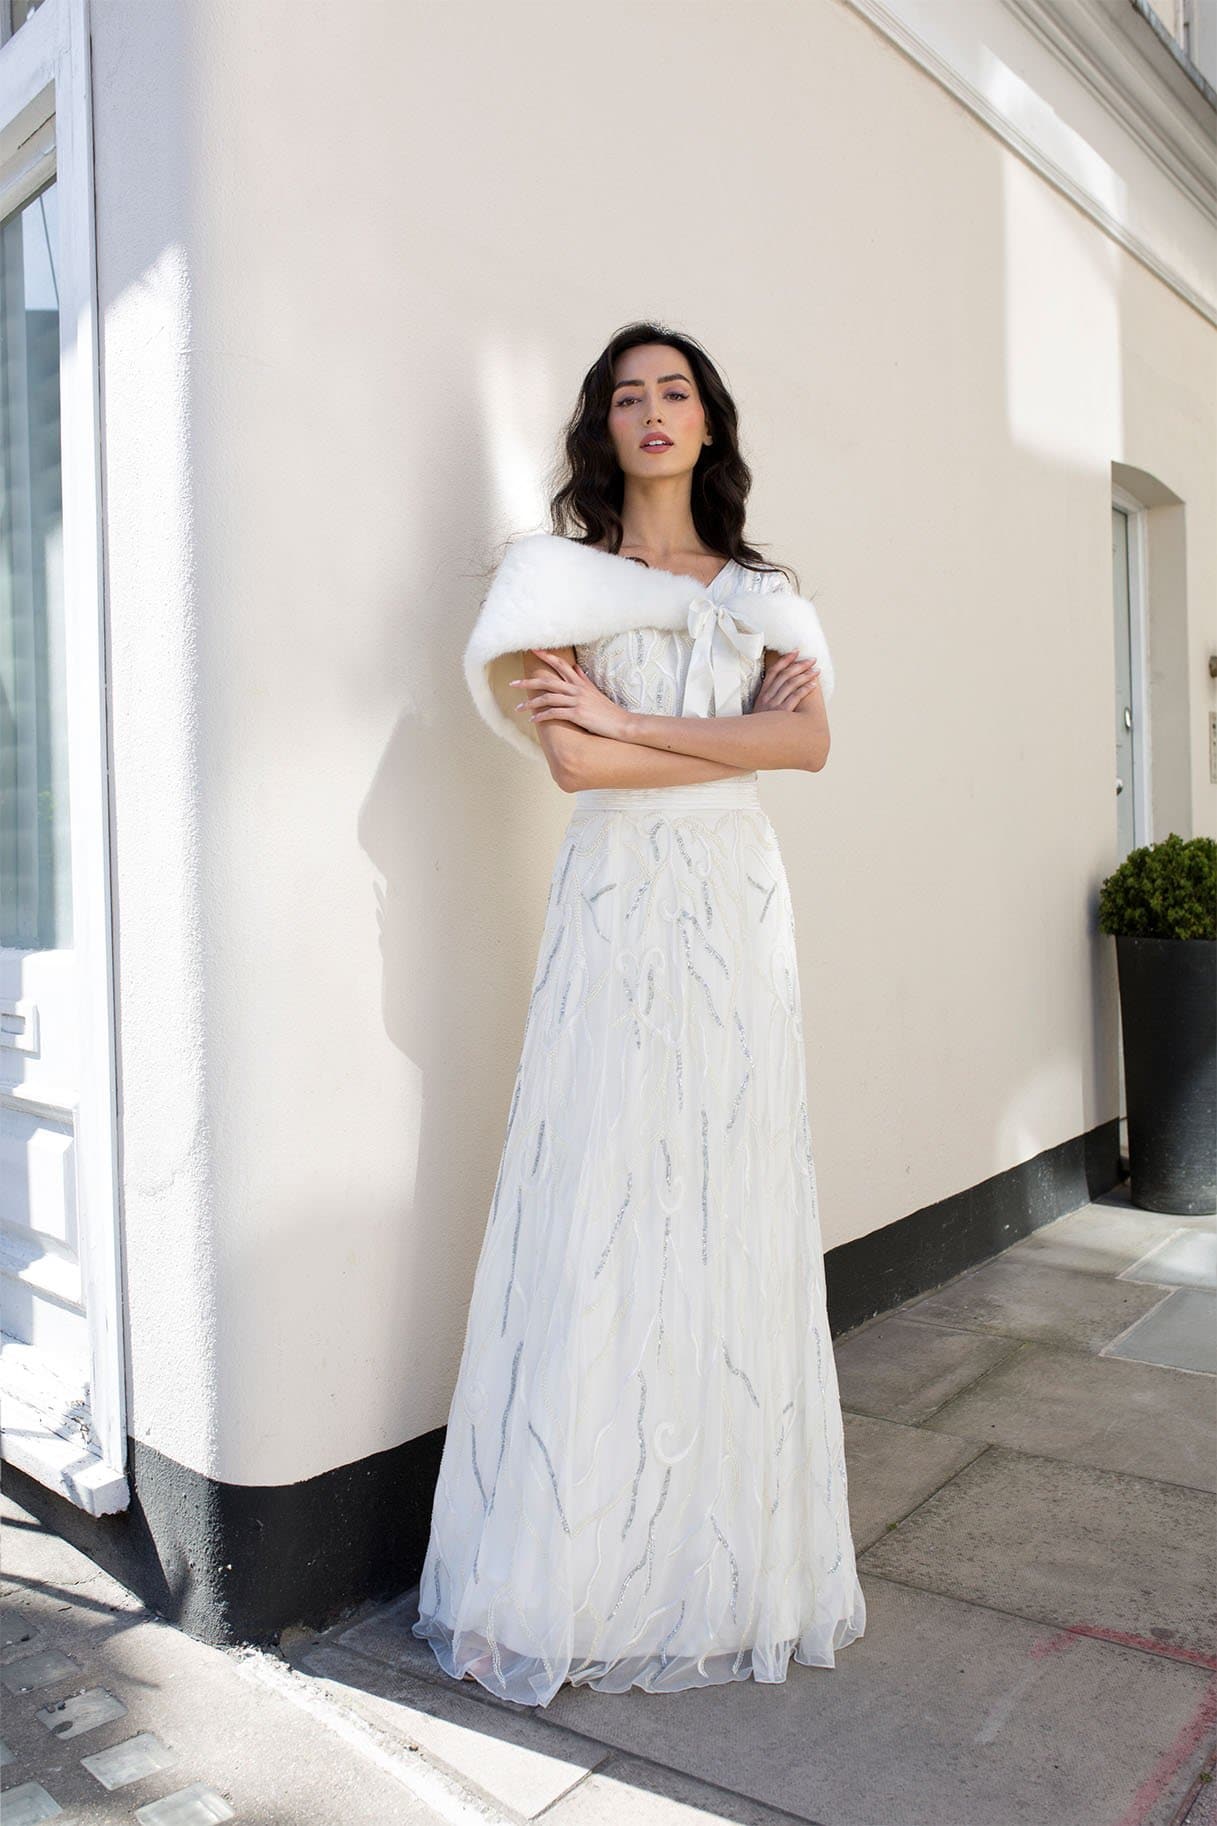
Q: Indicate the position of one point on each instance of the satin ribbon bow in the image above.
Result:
(722, 642)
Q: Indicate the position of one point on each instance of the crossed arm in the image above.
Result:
(631, 748)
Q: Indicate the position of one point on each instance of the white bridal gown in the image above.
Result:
(643, 1479)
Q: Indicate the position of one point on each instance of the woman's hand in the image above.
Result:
(571, 695)
(566, 692)
(787, 682)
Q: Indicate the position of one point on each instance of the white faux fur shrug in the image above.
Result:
(552, 592)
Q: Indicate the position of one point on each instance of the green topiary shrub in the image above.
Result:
(1163, 890)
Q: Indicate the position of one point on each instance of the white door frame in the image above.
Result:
(1138, 628)
(46, 130)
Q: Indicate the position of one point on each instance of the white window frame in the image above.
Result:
(46, 129)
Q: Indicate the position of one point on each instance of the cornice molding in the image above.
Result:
(1109, 47)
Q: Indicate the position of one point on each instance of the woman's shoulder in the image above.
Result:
(760, 579)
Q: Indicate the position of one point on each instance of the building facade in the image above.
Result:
(294, 303)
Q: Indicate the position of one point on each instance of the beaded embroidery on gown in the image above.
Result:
(643, 1480)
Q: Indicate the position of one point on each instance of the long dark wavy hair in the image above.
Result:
(589, 483)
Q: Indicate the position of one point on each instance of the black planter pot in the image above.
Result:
(1168, 1011)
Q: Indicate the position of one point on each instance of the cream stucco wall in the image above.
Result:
(353, 263)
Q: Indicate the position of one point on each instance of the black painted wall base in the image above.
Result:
(233, 1563)
(877, 1272)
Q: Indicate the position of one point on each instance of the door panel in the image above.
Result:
(62, 1322)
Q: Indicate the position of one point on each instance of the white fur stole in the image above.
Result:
(552, 592)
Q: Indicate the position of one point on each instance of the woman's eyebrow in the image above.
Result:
(660, 382)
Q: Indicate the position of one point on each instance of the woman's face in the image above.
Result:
(655, 398)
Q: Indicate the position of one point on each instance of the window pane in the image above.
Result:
(21, 10)
(35, 852)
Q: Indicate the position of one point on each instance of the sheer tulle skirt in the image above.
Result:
(643, 1481)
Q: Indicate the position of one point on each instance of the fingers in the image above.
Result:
(789, 665)
(556, 661)
(554, 694)
(571, 674)
(539, 704)
(553, 701)
(788, 682)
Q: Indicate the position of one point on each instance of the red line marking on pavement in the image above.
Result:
(1186, 1740)
(1189, 1735)
(1149, 1645)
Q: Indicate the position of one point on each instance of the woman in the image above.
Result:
(643, 1479)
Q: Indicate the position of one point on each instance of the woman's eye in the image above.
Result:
(629, 399)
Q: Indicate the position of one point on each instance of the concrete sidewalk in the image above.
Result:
(1032, 1460)
(110, 1714)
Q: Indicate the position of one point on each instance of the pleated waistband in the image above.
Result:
(708, 795)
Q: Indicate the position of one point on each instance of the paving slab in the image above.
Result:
(630, 1792)
(1066, 1544)
(27, 1803)
(1180, 1333)
(1186, 1258)
(126, 1762)
(892, 1469)
(1101, 1238)
(1030, 1299)
(897, 1370)
(517, 1760)
(81, 1712)
(942, 1714)
(45, 1667)
(1095, 1410)
(383, 1632)
(194, 1805)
